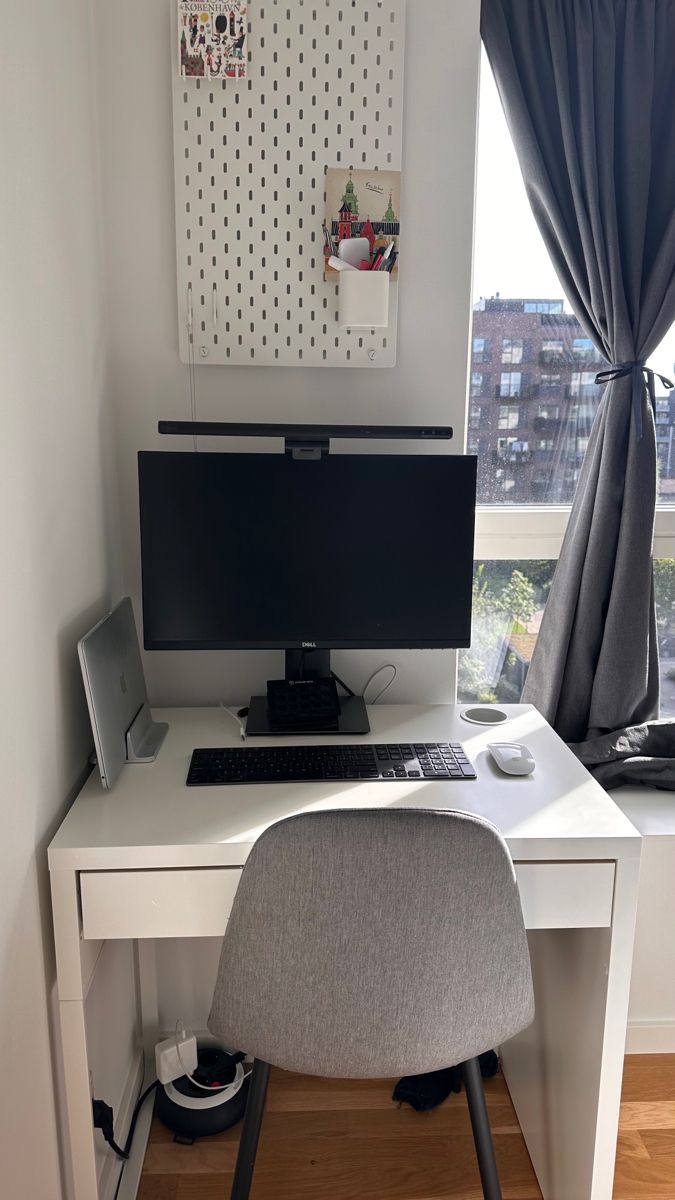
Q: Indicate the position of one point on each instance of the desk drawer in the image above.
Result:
(155, 904)
(197, 902)
(572, 895)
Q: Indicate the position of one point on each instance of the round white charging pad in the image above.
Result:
(484, 716)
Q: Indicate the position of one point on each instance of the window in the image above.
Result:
(524, 495)
(583, 349)
(477, 383)
(551, 350)
(509, 415)
(512, 350)
(474, 417)
(509, 597)
(519, 312)
(543, 306)
(583, 383)
(505, 480)
(663, 414)
(510, 383)
(512, 449)
(582, 414)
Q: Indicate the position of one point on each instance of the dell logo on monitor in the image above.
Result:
(309, 645)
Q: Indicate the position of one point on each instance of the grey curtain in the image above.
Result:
(588, 88)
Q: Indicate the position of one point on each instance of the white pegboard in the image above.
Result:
(325, 89)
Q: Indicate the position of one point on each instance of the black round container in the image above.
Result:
(202, 1118)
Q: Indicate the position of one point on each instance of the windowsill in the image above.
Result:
(515, 531)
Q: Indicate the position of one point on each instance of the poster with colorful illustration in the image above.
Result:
(212, 39)
(364, 204)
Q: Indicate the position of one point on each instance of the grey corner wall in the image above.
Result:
(149, 382)
(56, 540)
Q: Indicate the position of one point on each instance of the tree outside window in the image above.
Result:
(509, 597)
(508, 604)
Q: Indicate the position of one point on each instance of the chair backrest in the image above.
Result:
(375, 942)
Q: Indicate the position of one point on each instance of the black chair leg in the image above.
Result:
(250, 1134)
(482, 1134)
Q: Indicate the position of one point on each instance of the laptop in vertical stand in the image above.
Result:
(114, 683)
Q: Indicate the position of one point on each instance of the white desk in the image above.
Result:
(151, 859)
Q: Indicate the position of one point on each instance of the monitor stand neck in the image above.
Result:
(307, 664)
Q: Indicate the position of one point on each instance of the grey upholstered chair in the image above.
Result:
(370, 943)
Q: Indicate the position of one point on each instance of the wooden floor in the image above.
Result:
(329, 1140)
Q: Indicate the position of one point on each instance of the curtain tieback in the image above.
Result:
(643, 381)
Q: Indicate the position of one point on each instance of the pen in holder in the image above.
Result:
(364, 299)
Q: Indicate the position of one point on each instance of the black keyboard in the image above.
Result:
(295, 764)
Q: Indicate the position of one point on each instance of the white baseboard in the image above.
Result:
(110, 1174)
(133, 1168)
(650, 1037)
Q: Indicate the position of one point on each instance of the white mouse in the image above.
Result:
(512, 758)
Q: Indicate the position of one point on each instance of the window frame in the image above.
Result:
(551, 411)
(513, 351)
(514, 390)
(476, 389)
(583, 350)
(537, 531)
(506, 413)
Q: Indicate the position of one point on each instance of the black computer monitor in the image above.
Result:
(266, 551)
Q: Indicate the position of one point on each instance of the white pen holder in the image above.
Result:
(364, 300)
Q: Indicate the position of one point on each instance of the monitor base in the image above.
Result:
(353, 719)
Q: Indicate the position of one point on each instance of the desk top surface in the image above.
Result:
(150, 819)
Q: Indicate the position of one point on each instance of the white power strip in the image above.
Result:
(176, 1056)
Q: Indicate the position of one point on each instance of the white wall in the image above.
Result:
(57, 571)
(429, 382)
(651, 1013)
